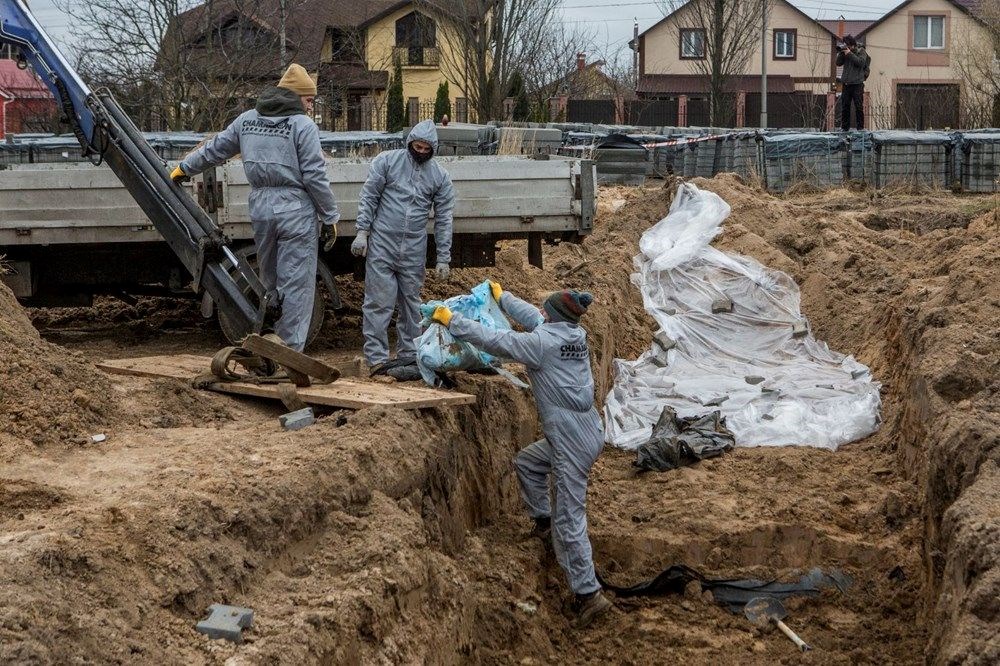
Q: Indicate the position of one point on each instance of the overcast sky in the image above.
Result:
(609, 21)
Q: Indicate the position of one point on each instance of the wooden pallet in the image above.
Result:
(348, 393)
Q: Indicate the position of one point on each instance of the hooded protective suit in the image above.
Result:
(289, 191)
(557, 358)
(394, 207)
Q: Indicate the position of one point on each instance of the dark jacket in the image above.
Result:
(855, 64)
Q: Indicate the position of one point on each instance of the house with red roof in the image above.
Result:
(26, 105)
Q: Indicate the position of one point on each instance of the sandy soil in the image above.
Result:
(385, 536)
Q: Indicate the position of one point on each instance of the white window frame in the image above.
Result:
(928, 20)
(790, 37)
(685, 32)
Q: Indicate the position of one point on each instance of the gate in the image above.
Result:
(599, 111)
(924, 105)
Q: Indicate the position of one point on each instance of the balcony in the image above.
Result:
(416, 56)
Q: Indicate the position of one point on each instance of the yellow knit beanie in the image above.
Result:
(297, 80)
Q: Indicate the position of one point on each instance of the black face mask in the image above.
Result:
(419, 157)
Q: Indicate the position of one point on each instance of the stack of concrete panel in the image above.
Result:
(64, 148)
(814, 159)
(669, 159)
(708, 155)
(622, 166)
(689, 166)
(529, 140)
(727, 154)
(913, 158)
(980, 161)
(360, 144)
(860, 162)
(746, 162)
(464, 139)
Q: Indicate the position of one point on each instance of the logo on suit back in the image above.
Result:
(261, 127)
(574, 352)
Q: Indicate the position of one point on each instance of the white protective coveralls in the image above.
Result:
(394, 207)
(289, 194)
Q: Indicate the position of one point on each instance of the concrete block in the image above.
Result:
(715, 402)
(658, 360)
(858, 374)
(664, 341)
(226, 622)
(298, 419)
(800, 329)
(753, 379)
(724, 304)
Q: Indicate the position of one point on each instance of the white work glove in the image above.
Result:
(443, 270)
(359, 248)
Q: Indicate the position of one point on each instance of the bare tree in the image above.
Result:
(179, 64)
(725, 34)
(550, 72)
(490, 41)
(977, 60)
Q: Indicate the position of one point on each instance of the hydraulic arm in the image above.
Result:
(106, 133)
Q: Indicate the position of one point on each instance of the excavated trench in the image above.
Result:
(386, 536)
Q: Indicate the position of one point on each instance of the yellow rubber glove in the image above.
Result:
(497, 290)
(442, 315)
(178, 175)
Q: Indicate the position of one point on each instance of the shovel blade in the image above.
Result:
(762, 610)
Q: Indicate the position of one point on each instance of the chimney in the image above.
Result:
(840, 27)
(581, 61)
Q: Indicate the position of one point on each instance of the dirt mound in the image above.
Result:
(49, 394)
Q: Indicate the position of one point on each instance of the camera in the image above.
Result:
(841, 46)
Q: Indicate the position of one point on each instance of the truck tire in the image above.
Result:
(232, 333)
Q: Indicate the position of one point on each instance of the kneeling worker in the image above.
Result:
(554, 351)
(289, 190)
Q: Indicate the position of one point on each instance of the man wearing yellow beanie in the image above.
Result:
(289, 190)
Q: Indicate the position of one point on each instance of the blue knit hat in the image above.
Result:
(567, 305)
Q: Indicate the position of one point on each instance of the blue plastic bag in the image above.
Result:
(439, 351)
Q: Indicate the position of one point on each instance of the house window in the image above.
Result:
(415, 30)
(928, 32)
(345, 45)
(416, 37)
(784, 44)
(692, 43)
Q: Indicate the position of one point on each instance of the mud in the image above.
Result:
(385, 536)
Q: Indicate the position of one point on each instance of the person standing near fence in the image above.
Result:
(856, 63)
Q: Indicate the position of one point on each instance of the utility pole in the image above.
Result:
(635, 51)
(282, 34)
(763, 64)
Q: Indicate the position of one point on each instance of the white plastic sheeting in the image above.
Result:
(757, 364)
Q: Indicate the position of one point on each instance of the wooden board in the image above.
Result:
(345, 393)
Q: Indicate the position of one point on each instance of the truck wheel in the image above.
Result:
(234, 334)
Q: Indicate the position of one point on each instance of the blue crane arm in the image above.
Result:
(105, 132)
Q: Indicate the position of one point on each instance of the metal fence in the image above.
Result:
(653, 112)
(598, 111)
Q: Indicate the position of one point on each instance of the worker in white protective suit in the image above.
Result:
(553, 348)
(395, 205)
(289, 191)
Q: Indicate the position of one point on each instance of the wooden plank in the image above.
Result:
(344, 393)
(290, 358)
